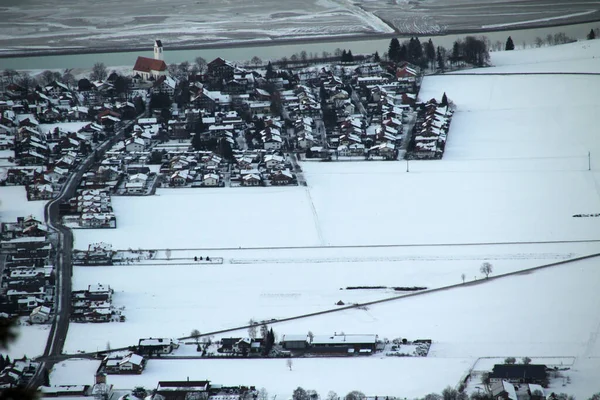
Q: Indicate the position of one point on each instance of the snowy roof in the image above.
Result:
(344, 339)
(155, 342)
(294, 338)
(132, 358)
(510, 390)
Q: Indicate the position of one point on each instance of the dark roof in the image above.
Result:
(519, 371)
(145, 64)
(165, 384)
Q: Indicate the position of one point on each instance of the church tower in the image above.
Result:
(158, 50)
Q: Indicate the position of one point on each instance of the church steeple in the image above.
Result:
(158, 50)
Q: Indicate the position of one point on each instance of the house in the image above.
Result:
(294, 342)
(136, 183)
(130, 364)
(40, 315)
(281, 177)
(135, 145)
(210, 180)
(351, 344)
(536, 392)
(156, 346)
(519, 373)
(251, 180)
(503, 390)
(182, 390)
(273, 161)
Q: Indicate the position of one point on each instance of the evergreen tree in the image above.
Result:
(270, 74)
(444, 100)
(403, 53)
(350, 56)
(344, 56)
(415, 51)
(591, 35)
(456, 52)
(441, 63)
(430, 52)
(394, 50)
(509, 44)
(376, 57)
(46, 377)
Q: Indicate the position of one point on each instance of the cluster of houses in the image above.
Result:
(96, 254)
(94, 305)
(28, 277)
(519, 381)
(39, 146)
(17, 373)
(90, 208)
(430, 130)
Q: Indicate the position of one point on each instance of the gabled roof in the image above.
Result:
(145, 64)
(519, 371)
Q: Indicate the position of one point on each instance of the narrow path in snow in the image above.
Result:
(315, 217)
(375, 246)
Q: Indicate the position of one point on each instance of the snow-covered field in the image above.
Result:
(223, 217)
(30, 342)
(13, 204)
(277, 284)
(583, 56)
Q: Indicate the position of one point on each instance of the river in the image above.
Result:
(279, 50)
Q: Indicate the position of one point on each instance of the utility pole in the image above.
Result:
(407, 170)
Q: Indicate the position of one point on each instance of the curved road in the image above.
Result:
(64, 266)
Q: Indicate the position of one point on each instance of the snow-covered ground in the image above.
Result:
(13, 204)
(277, 284)
(222, 217)
(582, 56)
(551, 313)
(30, 342)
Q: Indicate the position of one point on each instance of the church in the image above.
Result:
(148, 68)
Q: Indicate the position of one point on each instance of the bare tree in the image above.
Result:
(332, 395)
(310, 336)
(303, 55)
(326, 54)
(26, 81)
(196, 335)
(68, 78)
(539, 42)
(256, 61)
(294, 57)
(172, 69)
(201, 63)
(526, 360)
(289, 363)
(486, 269)
(510, 360)
(98, 72)
(263, 394)
(463, 276)
(252, 329)
(549, 39)
(168, 254)
(355, 395)
(107, 345)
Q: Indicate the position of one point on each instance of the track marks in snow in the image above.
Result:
(516, 256)
(315, 217)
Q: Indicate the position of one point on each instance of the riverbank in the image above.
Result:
(249, 43)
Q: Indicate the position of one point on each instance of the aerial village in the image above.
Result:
(221, 125)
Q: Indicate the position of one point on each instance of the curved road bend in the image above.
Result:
(64, 266)
(61, 357)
